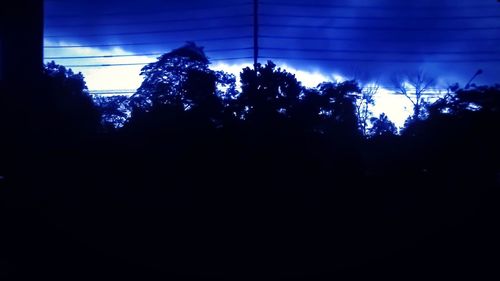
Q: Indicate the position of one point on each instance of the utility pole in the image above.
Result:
(255, 32)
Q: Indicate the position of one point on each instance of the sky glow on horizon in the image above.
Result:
(127, 78)
(368, 40)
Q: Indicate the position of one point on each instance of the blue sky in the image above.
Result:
(332, 40)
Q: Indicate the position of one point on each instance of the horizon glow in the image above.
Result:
(127, 78)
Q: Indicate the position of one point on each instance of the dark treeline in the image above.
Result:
(191, 178)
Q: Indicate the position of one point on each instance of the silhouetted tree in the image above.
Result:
(165, 80)
(199, 154)
(363, 104)
(114, 110)
(340, 105)
(267, 91)
(64, 104)
(483, 99)
(47, 127)
(307, 113)
(414, 87)
(382, 126)
(181, 81)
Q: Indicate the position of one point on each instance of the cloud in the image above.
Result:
(397, 107)
(102, 79)
(411, 29)
(105, 77)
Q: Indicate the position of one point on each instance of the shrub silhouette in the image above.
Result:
(206, 178)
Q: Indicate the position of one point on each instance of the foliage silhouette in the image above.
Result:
(382, 126)
(414, 87)
(205, 178)
(363, 104)
(114, 110)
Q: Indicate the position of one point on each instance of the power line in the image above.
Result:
(299, 59)
(382, 52)
(298, 26)
(147, 43)
(143, 63)
(278, 16)
(336, 17)
(384, 7)
(152, 32)
(103, 56)
(382, 28)
(376, 39)
(272, 16)
(149, 21)
(108, 64)
(270, 37)
(143, 54)
(379, 60)
(152, 12)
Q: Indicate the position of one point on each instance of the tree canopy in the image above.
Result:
(201, 165)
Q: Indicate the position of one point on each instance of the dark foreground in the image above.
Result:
(66, 220)
(279, 183)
